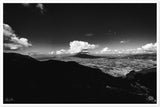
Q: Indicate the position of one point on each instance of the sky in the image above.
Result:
(70, 28)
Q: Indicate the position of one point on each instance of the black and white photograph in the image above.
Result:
(79, 53)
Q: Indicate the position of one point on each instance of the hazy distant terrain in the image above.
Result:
(116, 66)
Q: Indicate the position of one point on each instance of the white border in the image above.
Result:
(158, 52)
(79, 1)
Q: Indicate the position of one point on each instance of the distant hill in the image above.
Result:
(142, 56)
(85, 55)
(27, 80)
(117, 56)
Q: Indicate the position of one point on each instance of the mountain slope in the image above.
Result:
(27, 80)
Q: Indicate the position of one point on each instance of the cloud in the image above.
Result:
(150, 47)
(52, 52)
(62, 51)
(105, 50)
(11, 46)
(39, 6)
(147, 48)
(12, 41)
(123, 41)
(76, 46)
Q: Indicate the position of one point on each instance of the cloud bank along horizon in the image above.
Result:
(78, 46)
(147, 48)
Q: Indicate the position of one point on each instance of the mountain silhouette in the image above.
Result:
(27, 80)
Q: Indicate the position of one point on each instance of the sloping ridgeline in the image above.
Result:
(27, 80)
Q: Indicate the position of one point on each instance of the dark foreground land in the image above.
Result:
(27, 80)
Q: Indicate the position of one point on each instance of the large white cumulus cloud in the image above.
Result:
(76, 46)
(150, 47)
(12, 41)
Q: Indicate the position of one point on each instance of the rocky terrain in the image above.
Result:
(27, 80)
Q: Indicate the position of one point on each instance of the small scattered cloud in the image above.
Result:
(62, 51)
(77, 46)
(12, 41)
(105, 50)
(52, 52)
(124, 41)
(121, 41)
(39, 6)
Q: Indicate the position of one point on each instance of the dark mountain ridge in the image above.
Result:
(27, 80)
